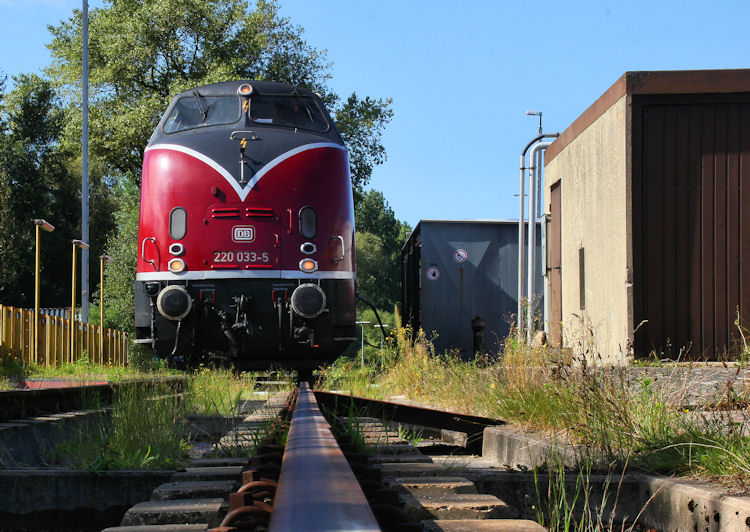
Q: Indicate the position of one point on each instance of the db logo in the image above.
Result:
(243, 233)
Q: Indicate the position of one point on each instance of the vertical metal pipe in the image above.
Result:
(72, 307)
(101, 309)
(521, 266)
(521, 221)
(85, 167)
(531, 274)
(531, 248)
(37, 265)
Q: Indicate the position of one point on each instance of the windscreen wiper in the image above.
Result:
(304, 102)
(201, 107)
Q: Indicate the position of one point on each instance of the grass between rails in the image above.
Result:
(147, 427)
(617, 418)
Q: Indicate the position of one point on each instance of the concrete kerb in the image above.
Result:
(666, 503)
(24, 442)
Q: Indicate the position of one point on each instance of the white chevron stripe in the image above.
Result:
(243, 192)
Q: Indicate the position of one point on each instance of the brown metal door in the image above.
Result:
(555, 264)
(691, 245)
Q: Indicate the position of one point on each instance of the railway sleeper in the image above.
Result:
(197, 498)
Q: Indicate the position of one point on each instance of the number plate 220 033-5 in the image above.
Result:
(242, 257)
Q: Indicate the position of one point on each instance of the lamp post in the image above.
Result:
(46, 226)
(83, 245)
(102, 260)
(362, 328)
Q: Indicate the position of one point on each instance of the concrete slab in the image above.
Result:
(417, 458)
(486, 525)
(431, 485)
(456, 506)
(191, 511)
(411, 470)
(208, 473)
(516, 449)
(201, 527)
(195, 490)
(393, 448)
(218, 462)
(26, 491)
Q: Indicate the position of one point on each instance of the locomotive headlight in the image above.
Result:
(176, 266)
(245, 90)
(308, 265)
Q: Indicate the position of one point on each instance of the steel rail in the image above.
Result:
(473, 426)
(317, 490)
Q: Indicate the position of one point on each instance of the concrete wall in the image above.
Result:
(594, 170)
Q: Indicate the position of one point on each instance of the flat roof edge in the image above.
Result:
(653, 82)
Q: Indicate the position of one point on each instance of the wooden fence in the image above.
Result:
(17, 340)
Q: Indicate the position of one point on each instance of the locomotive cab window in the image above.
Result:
(178, 223)
(196, 111)
(290, 110)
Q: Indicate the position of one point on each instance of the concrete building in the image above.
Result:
(648, 197)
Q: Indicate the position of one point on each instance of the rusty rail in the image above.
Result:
(473, 426)
(317, 489)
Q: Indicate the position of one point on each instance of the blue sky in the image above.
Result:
(462, 75)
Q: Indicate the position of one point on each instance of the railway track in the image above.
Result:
(343, 472)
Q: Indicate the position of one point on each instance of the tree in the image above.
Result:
(144, 51)
(361, 123)
(38, 179)
(380, 237)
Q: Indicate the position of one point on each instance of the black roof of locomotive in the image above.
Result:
(228, 88)
(214, 141)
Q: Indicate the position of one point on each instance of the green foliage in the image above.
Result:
(143, 52)
(119, 278)
(380, 237)
(361, 123)
(617, 421)
(141, 358)
(39, 178)
(216, 392)
(145, 431)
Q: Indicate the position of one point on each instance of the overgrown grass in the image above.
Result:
(145, 430)
(216, 392)
(14, 370)
(617, 419)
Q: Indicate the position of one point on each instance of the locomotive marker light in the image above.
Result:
(177, 249)
(83, 245)
(45, 225)
(102, 260)
(176, 265)
(308, 265)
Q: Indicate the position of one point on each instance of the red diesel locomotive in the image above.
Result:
(246, 237)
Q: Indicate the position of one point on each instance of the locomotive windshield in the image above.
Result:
(200, 111)
(287, 110)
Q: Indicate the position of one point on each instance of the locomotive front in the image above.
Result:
(246, 236)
